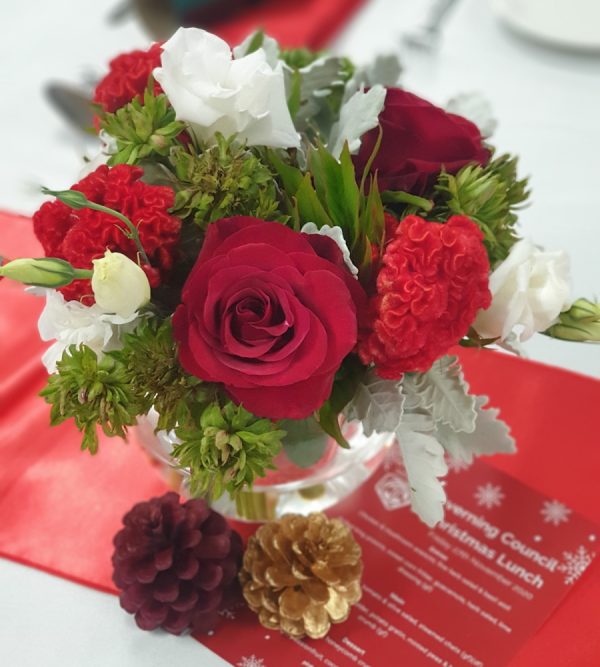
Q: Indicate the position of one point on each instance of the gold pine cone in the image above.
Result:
(301, 574)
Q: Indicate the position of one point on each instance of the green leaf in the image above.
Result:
(369, 164)
(305, 441)
(291, 176)
(256, 42)
(310, 208)
(335, 184)
(294, 97)
(328, 418)
(400, 197)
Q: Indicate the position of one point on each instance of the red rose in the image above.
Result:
(418, 141)
(127, 78)
(266, 315)
(433, 282)
(79, 236)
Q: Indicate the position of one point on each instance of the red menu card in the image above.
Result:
(469, 592)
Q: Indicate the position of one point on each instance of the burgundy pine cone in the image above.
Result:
(176, 565)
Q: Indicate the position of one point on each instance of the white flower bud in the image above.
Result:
(120, 286)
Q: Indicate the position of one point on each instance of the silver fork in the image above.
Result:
(427, 35)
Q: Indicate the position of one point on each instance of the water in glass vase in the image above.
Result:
(312, 472)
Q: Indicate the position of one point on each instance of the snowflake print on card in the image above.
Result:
(457, 465)
(575, 563)
(251, 661)
(554, 512)
(489, 495)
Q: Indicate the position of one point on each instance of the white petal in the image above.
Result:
(71, 323)
(337, 235)
(215, 93)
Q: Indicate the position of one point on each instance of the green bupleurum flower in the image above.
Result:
(150, 360)
(490, 196)
(223, 180)
(142, 129)
(228, 450)
(92, 392)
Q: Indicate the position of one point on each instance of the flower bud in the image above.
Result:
(41, 271)
(120, 286)
(581, 323)
(72, 198)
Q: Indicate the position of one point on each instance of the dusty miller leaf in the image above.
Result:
(443, 392)
(357, 116)
(378, 404)
(384, 70)
(424, 462)
(491, 435)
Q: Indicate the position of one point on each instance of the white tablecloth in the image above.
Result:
(547, 105)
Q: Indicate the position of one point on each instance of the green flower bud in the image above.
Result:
(42, 272)
(581, 323)
(71, 198)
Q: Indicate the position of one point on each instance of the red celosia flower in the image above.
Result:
(79, 236)
(433, 280)
(127, 78)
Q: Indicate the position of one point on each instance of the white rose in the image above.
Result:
(215, 93)
(71, 323)
(120, 286)
(529, 290)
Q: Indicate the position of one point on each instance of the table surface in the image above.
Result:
(546, 103)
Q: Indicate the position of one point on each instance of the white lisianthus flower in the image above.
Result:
(216, 93)
(71, 323)
(120, 286)
(529, 290)
(336, 234)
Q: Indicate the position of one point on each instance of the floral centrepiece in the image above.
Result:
(274, 242)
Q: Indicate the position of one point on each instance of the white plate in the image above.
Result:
(569, 24)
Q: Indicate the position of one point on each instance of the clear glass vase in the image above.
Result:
(335, 473)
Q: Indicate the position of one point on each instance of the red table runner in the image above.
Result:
(59, 508)
(294, 23)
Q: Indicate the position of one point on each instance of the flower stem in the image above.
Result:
(82, 274)
(133, 232)
(75, 199)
